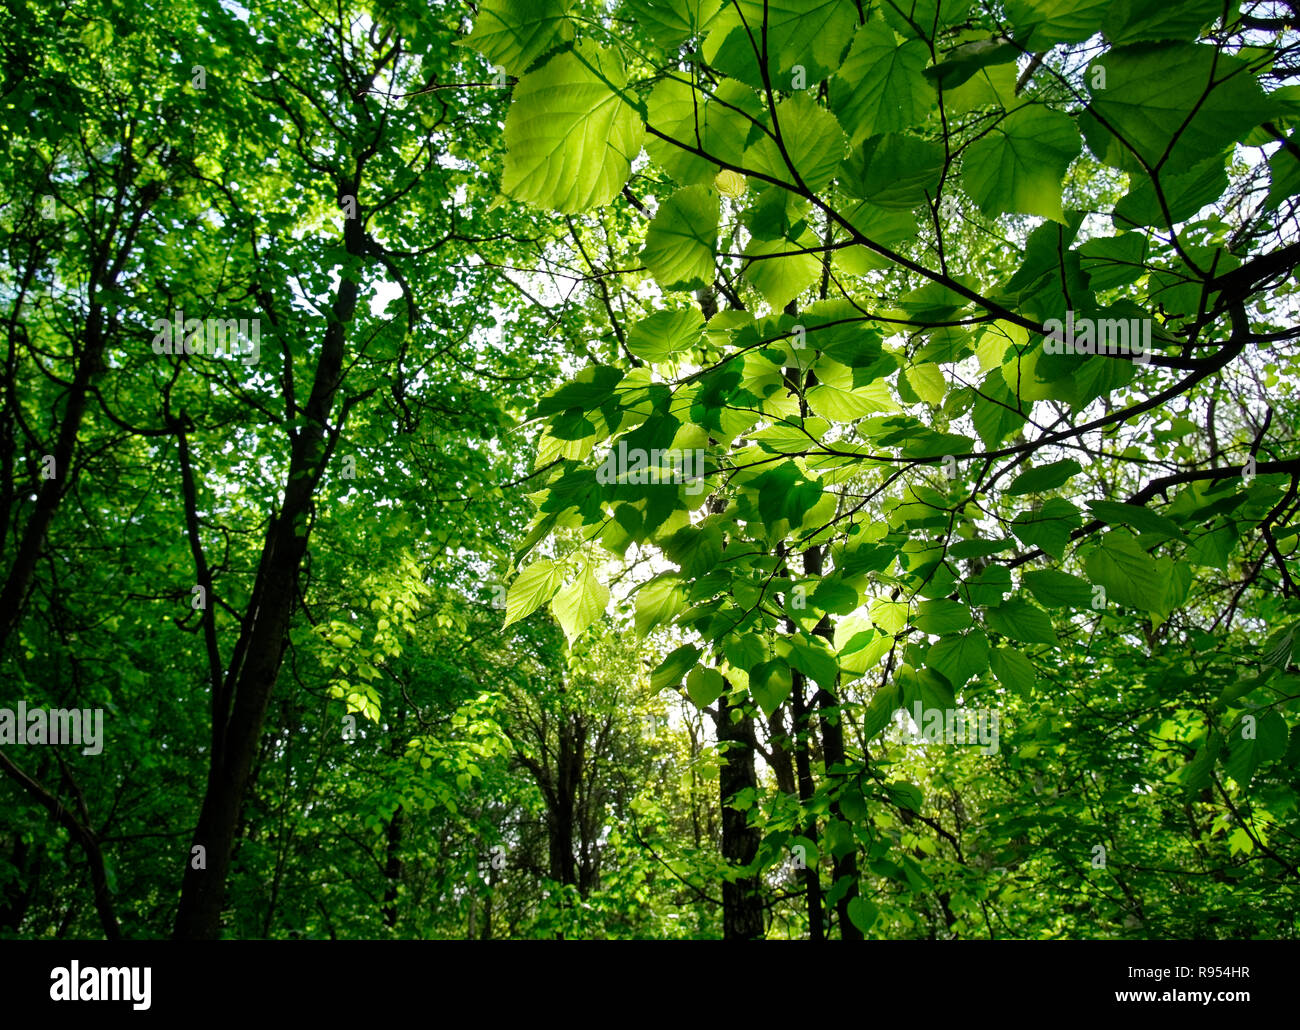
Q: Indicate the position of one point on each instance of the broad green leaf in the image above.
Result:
(1021, 621)
(988, 587)
(670, 671)
(1019, 165)
(863, 913)
(836, 399)
(658, 602)
(570, 136)
(928, 383)
(959, 658)
(512, 34)
(891, 616)
(1044, 477)
(1040, 24)
(1013, 670)
(1255, 739)
(894, 171)
(810, 138)
(718, 124)
(1170, 105)
(665, 334)
(532, 588)
(1142, 519)
(1049, 527)
(998, 412)
(805, 40)
(1128, 573)
(705, 685)
(579, 604)
(770, 684)
(1058, 589)
(941, 617)
(965, 60)
(682, 238)
(671, 22)
(782, 269)
(881, 86)
(1130, 21)
(1111, 261)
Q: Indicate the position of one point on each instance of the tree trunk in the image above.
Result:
(846, 866)
(742, 905)
(260, 649)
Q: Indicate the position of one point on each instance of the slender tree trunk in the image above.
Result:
(844, 867)
(83, 835)
(803, 770)
(260, 649)
(742, 905)
(393, 867)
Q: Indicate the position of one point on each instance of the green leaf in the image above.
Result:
(705, 685)
(1111, 261)
(782, 269)
(786, 493)
(1021, 621)
(696, 549)
(658, 602)
(988, 587)
(682, 238)
(811, 139)
(837, 398)
(512, 34)
(1050, 527)
(941, 616)
(718, 124)
(798, 34)
(770, 684)
(884, 703)
(863, 913)
(1018, 167)
(1170, 105)
(1195, 775)
(671, 22)
(1058, 589)
(957, 659)
(579, 604)
(1142, 519)
(532, 588)
(881, 86)
(998, 412)
(1040, 24)
(894, 171)
(906, 795)
(670, 671)
(1045, 477)
(570, 136)
(1127, 572)
(665, 334)
(963, 61)
(813, 657)
(1013, 670)
(1129, 21)
(1253, 745)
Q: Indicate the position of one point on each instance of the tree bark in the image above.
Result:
(742, 905)
(260, 649)
(845, 866)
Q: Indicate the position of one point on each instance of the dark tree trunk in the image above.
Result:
(393, 866)
(803, 769)
(844, 867)
(260, 649)
(742, 905)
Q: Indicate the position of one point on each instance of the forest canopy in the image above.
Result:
(650, 469)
